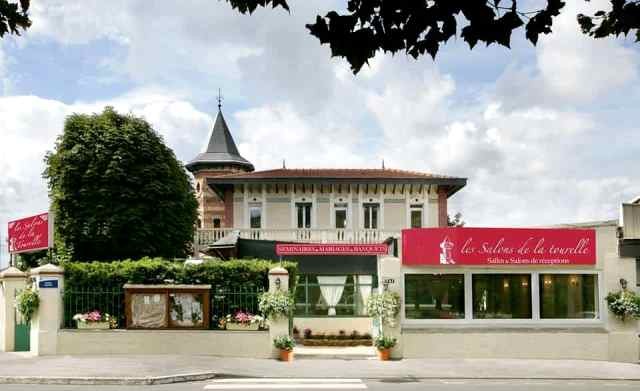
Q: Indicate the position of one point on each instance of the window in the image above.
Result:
(501, 296)
(348, 293)
(638, 272)
(371, 215)
(255, 216)
(216, 222)
(341, 216)
(199, 223)
(304, 214)
(568, 296)
(434, 296)
(416, 216)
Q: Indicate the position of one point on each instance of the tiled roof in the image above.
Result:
(335, 173)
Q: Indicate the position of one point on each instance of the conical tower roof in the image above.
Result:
(221, 149)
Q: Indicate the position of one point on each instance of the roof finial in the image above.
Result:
(284, 165)
(219, 99)
(383, 163)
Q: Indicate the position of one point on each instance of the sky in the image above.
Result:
(545, 135)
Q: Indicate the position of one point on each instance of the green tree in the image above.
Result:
(118, 191)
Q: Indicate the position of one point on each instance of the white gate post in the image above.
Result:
(278, 280)
(390, 278)
(12, 280)
(49, 283)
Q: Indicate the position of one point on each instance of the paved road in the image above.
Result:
(356, 384)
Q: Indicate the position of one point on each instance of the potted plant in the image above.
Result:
(624, 304)
(384, 345)
(242, 321)
(286, 344)
(94, 320)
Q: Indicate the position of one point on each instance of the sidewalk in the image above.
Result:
(19, 367)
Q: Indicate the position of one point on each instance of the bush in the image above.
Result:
(112, 275)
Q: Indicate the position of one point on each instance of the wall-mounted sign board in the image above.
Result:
(331, 249)
(44, 284)
(498, 246)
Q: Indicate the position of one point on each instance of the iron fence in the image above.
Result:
(224, 301)
(82, 301)
(228, 301)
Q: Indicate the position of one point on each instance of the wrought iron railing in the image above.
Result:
(80, 301)
(227, 301)
(209, 236)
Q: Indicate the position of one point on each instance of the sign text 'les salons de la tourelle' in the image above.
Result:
(498, 246)
(30, 234)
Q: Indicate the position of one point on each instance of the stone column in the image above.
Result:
(389, 279)
(49, 283)
(12, 280)
(278, 281)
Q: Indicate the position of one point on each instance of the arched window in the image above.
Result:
(199, 223)
(198, 187)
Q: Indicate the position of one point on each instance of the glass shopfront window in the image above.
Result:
(568, 296)
(501, 296)
(335, 295)
(434, 296)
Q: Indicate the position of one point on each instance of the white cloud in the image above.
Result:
(542, 141)
(577, 67)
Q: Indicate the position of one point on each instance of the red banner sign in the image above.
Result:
(30, 234)
(331, 249)
(498, 246)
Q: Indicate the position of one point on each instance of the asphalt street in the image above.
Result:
(354, 384)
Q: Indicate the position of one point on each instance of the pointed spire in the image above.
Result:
(221, 149)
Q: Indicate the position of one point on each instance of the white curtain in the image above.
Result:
(364, 284)
(331, 288)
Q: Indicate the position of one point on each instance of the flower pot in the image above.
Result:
(384, 354)
(92, 325)
(242, 326)
(286, 355)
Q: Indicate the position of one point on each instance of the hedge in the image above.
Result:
(229, 274)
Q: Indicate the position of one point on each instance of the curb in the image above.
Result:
(105, 381)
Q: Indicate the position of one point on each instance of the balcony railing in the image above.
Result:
(206, 237)
(630, 221)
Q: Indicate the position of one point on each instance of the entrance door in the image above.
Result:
(22, 331)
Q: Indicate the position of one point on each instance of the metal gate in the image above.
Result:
(22, 331)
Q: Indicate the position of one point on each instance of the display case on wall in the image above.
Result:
(167, 306)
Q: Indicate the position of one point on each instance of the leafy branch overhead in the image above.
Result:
(13, 16)
(417, 27)
(422, 26)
